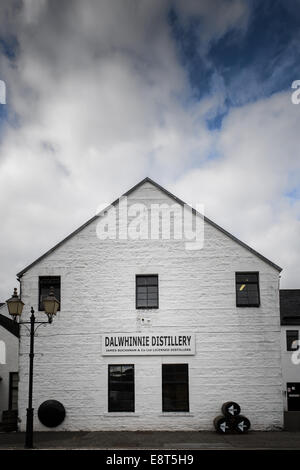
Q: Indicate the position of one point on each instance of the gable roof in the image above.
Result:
(289, 306)
(10, 325)
(179, 201)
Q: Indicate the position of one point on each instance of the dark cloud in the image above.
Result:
(99, 98)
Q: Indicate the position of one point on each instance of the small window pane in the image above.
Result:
(142, 290)
(152, 296)
(152, 281)
(152, 290)
(142, 296)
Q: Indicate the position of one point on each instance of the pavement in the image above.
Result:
(162, 440)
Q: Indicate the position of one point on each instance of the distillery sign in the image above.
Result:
(148, 344)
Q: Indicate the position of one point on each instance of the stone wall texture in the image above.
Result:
(237, 349)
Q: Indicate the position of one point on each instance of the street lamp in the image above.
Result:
(15, 307)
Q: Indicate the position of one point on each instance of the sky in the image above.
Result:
(194, 94)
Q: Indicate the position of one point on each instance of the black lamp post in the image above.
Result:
(15, 307)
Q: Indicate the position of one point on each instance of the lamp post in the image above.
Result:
(15, 307)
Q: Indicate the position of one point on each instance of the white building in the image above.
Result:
(213, 314)
(290, 326)
(9, 345)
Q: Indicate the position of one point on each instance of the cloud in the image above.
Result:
(215, 18)
(98, 98)
(247, 190)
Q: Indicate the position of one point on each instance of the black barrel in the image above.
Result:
(51, 413)
(242, 424)
(223, 424)
(230, 408)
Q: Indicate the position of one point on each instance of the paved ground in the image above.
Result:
(154, 440)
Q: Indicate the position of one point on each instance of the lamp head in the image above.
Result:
(15, 305)
(51, 304)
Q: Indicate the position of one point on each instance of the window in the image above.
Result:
(45, 282)
(13, 390)
(147, 291)
(247, 290)
(121, 387)
(175, 387)
(292, 338)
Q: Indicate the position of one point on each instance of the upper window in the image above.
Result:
(147, 291)
(292, 339)
(247, 290)
(121, 387)
(45, 283)
(175, 387)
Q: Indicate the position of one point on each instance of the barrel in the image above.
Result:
(242, 424)
(223, 424)
(51, 413)
(230, 408)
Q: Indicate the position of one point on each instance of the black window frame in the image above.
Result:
(11, 389)
(291, 336)
(256, 282)
(52, 281)
(146, 307)
(112, 409)
(165, 408)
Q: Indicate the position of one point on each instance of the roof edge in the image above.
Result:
(178, 200)
(10, 325)
(88, 222)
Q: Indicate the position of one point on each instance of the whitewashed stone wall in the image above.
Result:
(237, 349)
